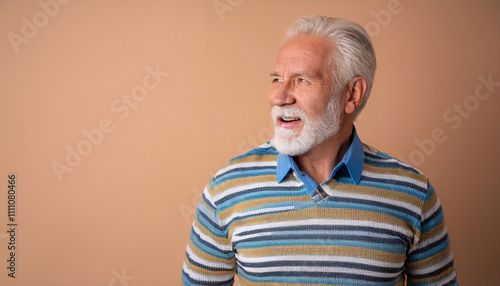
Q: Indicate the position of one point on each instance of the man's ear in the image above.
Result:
(355, 93)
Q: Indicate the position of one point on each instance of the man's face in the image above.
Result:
(305, 109)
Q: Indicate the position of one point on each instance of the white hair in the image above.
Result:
(352, 55)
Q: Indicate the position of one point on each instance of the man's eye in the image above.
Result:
(276, 80)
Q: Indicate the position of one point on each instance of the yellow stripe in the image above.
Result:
(430, 203)
(348, 251)
(208, 272)
(255, 203)
(244, 282)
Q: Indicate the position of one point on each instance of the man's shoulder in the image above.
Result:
(259, 161)
(264, 152)
(383, 167)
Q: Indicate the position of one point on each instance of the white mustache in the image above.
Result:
(287, 111)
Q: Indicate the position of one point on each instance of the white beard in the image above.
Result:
(314, 130)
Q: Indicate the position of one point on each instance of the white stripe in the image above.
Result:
(394, 160)
(205, 262)
(247, 165)
(203, 277)
(208, 196)
(330, 222)
(265, 145)
(211, 240)
(446, 279)
(430, 240)
(319, 258)
(235, 239)
(254, 212)
(407, 166)
(395, 177)
(433, 267)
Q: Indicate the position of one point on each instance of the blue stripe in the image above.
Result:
(241, 172)
(321, 237)
(188, 281)
(210, 225)
(389, 184)
(431, 249)
(379, 207)
(259, 192)
(352, 229)
(433, 221)
(256, 152)
(209, 248)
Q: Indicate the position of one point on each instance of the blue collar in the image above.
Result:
(353, 159)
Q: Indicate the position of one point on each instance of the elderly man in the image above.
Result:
(316, 206)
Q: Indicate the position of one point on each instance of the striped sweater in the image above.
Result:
(387, 227)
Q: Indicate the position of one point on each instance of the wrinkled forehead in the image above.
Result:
(310, 53)
(309, 42)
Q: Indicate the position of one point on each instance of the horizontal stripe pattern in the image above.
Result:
(388, 226)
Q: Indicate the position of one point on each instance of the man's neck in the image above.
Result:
(319, 162)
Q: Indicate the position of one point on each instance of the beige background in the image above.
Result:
(126, 208)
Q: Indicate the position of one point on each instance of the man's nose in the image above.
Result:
(282, 95)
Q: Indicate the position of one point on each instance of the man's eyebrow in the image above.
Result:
(306, 74)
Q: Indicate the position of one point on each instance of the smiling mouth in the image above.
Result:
(290, 119)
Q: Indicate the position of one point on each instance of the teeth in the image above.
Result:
(290, 118)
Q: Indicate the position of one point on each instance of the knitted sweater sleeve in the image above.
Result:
(430, 260)
(210, 258)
